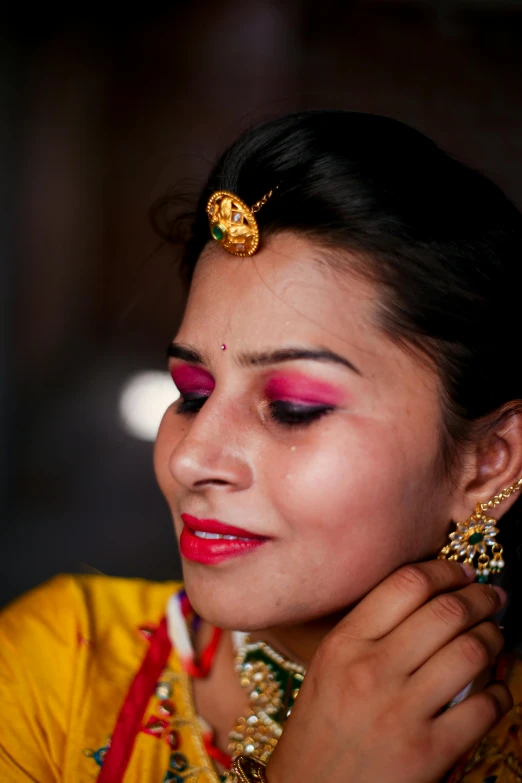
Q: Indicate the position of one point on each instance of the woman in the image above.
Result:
(349, 393)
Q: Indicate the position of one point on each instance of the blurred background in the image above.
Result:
(102, 112)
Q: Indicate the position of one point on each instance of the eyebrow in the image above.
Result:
(265, 358)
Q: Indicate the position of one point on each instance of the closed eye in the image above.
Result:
(284, 413)
(191, 403)
(295, 414)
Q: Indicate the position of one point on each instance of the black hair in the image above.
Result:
(443, 241)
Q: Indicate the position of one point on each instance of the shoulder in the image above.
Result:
(55, 620)
(71, 602)
(51, 624)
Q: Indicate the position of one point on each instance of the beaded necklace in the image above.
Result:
(271, 681)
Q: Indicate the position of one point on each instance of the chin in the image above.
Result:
(227, 604)
(220, 607)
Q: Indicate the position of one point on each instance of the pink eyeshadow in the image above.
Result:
(192, 379)
(294, 387)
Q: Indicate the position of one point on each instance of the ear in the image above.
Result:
(492, 464)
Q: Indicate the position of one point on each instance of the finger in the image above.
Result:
(458, 729)
(401, 594)
(458, 663)
(439, 621)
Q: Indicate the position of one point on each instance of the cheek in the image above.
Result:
(356, 489)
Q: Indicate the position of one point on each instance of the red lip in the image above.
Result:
(212, 551)
(213, 526)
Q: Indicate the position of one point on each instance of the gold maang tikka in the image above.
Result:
(477, 537)
(233, 223)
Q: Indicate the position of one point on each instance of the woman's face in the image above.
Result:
(331, 458)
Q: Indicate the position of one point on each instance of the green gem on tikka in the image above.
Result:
(483, 578)
(218, 232)
(475, 538)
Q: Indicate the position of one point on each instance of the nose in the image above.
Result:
(213, 453)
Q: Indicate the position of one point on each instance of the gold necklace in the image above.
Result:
(272, 683)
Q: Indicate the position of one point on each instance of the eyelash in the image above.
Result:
(190, 404)
(284, 413)
(293, 415)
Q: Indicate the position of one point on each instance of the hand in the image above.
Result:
(369, 710)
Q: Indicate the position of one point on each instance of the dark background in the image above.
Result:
(101, 112)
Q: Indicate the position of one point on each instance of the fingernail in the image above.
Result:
(468, 570)
(501, 594)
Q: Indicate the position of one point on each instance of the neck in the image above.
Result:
(299, 642)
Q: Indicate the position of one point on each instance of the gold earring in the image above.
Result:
(476, 535)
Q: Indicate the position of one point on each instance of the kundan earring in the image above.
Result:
(477, 536)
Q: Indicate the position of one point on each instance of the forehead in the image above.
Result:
(286, 296)
(285, 292)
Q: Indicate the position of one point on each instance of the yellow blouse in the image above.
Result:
(69, 652)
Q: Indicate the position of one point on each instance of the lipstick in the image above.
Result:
(209, 541)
